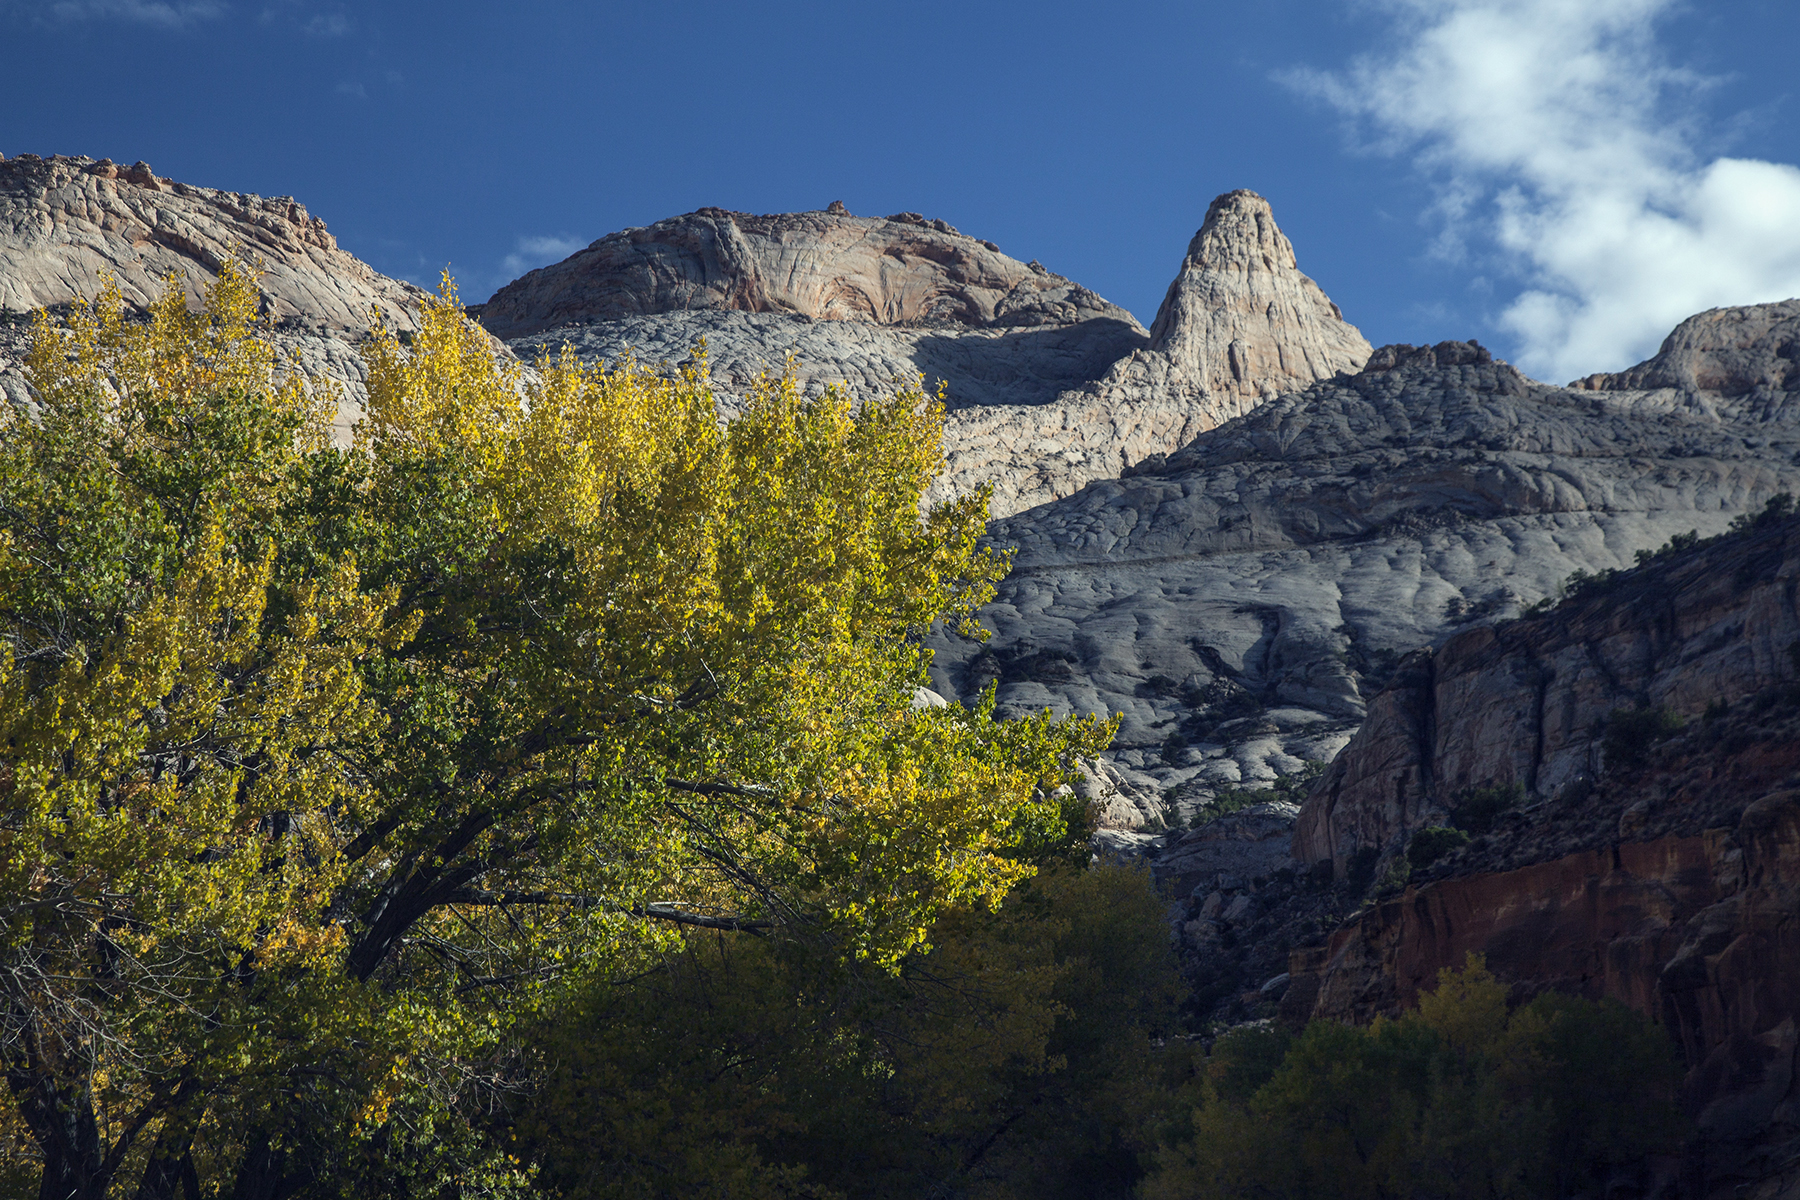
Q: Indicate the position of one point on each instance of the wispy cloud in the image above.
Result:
(176, 15)
(327, 25)
(351, 90)
(1561, 135)
(539, 251)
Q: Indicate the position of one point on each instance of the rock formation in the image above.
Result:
(1048, 385)
(1240, 322)
(1238, 601)
(1669, 880)
(68, 222)
(899, 270)
(1747, 353)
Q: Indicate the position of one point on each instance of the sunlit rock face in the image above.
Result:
(1048, 385)
(69, 223)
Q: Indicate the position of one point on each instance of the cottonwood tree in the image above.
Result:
(322, 769)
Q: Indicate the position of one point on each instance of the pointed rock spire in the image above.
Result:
(1241, 320)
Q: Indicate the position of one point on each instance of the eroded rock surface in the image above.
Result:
(1048, 385)
(829, 265)
(1238, 601)
(1752, 353)
(1526, 704)
(66, 223)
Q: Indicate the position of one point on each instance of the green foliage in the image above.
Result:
(1779, 508)
(1288, 789)
(1458, 1098)
(1476, 809)
(1393, 882)
(1432, 843)
(1012, 1059)
(325, 773)
(1631, 732)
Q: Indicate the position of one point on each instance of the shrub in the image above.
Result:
(1290, 789)
(1476, 809)
(1429, 845)
(1460, 1097)
(1631, 732)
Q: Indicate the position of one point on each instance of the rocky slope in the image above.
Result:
(1048, 385)
(1661, 869)
(68, 222)
(1239, 600)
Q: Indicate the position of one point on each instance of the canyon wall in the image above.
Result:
(1668, 879)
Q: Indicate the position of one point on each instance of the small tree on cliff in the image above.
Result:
(320, 770)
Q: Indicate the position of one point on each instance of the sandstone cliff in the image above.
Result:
(1241, 322)
(1669, 880)
(1527, 703)
(1049, 386)
(68, 222)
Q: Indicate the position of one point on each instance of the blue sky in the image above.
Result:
(1562, 179)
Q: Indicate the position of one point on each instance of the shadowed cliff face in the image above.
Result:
(1527, 703)
(1669, 880)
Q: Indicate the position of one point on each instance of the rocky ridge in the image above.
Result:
(68, 222)
(1048, 386)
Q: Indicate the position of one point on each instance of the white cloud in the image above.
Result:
(1556, 131)
(539, 251)
(175, 15)
(352, 90)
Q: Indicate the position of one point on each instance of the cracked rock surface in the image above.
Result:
(68, 222)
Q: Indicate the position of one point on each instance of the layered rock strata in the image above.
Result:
(1668, 880)
(1527, 704)
(69, 223)
(828, 265)
(1048, 386)
(1240, 600)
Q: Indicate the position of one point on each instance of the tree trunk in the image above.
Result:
(60, 1115)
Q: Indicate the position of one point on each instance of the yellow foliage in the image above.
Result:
(324, 764)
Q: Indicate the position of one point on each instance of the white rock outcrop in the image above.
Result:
(66, 223)
(1048, 385)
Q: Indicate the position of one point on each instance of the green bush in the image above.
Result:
(1429, 845)
(1631, 732)
(1476, 809)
